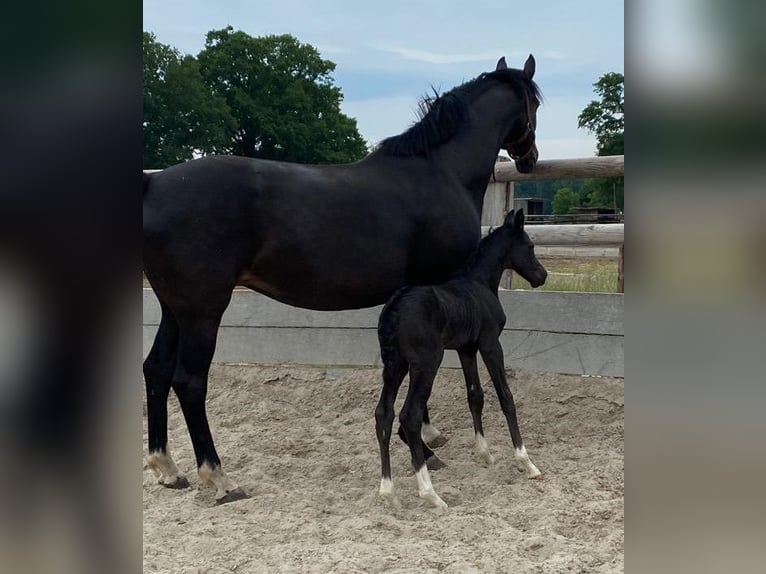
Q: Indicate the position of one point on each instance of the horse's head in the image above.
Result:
(520, 140)
(521, 253)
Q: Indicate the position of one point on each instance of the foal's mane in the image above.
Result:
(441, 116)
(478, 253)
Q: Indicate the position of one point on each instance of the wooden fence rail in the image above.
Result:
(580, 168)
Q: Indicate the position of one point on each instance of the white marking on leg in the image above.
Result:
(163, 467)
(387, 492)
(483, 449)
(428, 433)
(523, 457)
(215, 476)
(426, 489)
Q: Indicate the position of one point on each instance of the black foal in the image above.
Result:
(465, 314)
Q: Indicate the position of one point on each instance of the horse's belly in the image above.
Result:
(322, 295)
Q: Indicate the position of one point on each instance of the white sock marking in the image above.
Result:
(163, 466)
(428, 432)
(426, 489)
(483, 449)
(523, 457)
(215, 476)
(387, 492)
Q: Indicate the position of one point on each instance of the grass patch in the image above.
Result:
(586, 274)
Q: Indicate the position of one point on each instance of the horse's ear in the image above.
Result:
(529, 67)
(518, 220)
(508, 218)
(501, 65)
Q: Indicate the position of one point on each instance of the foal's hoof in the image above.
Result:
(534, 474)
(435, 463)
(178, 483)
(434, 499)
(231, 496)
(437, 441)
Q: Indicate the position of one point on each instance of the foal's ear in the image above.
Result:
(508, 218)
(518, 220)
(501, 65)
(529, 67)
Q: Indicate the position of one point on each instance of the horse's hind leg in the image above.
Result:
(467, 357)
(159, 366)
(394, 371)
(195, 353)
(411, 418)
(493, 358)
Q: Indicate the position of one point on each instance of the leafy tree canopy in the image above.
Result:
(270, 97)
(564, 200)
(282, 97)
(605, 118)
(181, 115)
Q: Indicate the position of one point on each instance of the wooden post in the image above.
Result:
(620, 270)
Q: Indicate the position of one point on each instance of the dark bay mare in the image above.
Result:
(465, 314)
(320, 237)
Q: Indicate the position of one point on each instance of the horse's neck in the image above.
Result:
(488, 267)
(470, 156)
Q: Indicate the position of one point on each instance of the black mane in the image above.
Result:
(478, 253)
(442, 116)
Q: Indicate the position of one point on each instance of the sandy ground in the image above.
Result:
(301, 441)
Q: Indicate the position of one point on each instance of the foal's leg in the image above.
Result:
(475, 399)
(429, 433)
(430, 436)
(493, 358)
(394, 371)
(159, 366)
(196, 348)
(411, 418)
(433, 462)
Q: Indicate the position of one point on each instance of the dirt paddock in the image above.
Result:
(301, 441)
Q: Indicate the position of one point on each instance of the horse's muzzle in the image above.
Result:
(539, 278)
(527, 162)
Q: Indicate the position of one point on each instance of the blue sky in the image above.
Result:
(389, 53)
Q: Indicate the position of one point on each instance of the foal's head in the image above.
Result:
(521, 251)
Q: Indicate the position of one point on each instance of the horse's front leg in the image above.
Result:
(467, 357)
(493, 358)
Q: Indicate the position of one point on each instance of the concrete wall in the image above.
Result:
(579, 333)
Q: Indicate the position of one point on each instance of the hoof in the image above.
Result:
(435, 463)
(178, 483)
(236, 494)
(391, 500)
(488, 458)
(437, 441)
(434, 499)
(534, 475)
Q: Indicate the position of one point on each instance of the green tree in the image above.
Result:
(605, 118)
(564, 200)
(181, 115)
(282, 96)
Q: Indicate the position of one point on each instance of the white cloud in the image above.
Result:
(564, 148)
(380, 118)
(442, 58)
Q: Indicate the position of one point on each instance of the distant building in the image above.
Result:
(532, 206)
